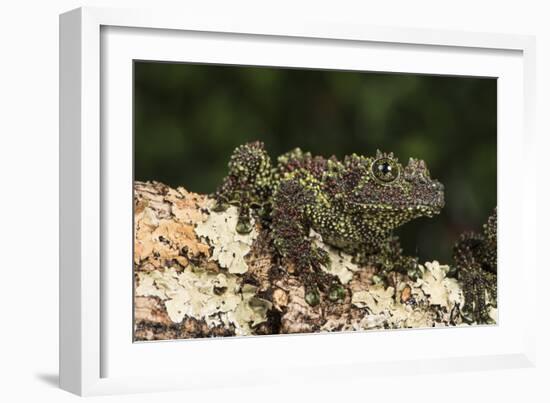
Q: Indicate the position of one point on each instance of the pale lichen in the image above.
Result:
(250, 312)
(339, 264)
(216, 298)
(229, 246)
(430, 301)
(439, 289)
(377, 299)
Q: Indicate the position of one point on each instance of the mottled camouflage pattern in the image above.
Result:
(475, 257)
(354, 204)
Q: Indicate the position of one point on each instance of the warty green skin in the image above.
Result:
(355, 204)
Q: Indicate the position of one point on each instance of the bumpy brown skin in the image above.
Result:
(475, 257)
(355, 204)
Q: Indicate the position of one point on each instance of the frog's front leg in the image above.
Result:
(244, 222)
(291, 239)
(291, 227)
(248, 183)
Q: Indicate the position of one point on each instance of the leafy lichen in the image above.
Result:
(229, 246)
(439, 289)
(339, 264)
(216, 298)
(432, 293)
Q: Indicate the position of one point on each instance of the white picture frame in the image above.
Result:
(96, 45)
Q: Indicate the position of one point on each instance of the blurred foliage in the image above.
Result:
(189, 118)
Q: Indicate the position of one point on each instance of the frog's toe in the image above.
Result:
(312, 296)
(336, 293)
(220, 206)
(319, 257)
(244, 226)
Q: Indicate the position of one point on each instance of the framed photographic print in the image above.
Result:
(254, 193)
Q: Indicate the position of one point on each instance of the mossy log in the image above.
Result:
(195, 276)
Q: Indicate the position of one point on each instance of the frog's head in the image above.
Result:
(388, 194)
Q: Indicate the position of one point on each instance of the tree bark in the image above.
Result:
(194, 276)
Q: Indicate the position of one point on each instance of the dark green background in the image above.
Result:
(189, 118)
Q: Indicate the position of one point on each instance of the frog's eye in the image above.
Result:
(385, 170)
